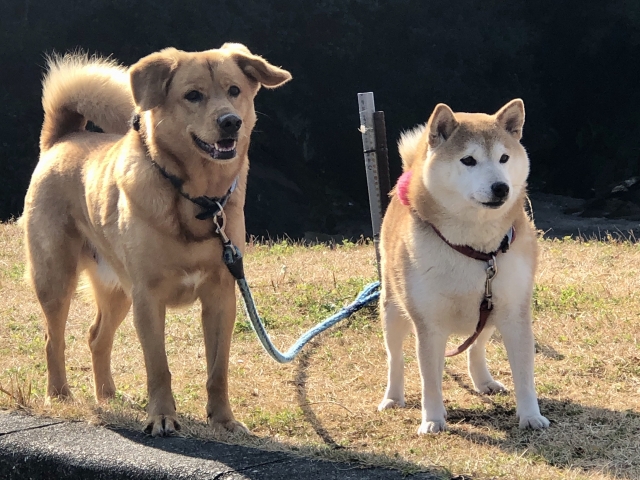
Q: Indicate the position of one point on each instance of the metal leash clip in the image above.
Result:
(219, 220)
(492, 271)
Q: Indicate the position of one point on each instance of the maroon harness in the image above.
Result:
(492, 269)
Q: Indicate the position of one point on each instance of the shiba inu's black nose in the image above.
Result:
(229, 123)
(500, 189)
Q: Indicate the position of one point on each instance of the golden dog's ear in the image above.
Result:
(150, 78)
(256, 67)
(511, 117)
(441, 124)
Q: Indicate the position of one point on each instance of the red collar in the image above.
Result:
(402, 190)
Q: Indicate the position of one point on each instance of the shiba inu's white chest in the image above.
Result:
(447, 287)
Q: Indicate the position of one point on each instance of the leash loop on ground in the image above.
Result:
(369, 294)
(233, 260)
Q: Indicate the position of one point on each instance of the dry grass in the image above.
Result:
(587, 312)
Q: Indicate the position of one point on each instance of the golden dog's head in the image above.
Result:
(201, 103)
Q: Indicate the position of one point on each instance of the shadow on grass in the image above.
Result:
(301, 396)
(592, 439)
(584, 438)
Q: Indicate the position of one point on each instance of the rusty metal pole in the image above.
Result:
(382, 153)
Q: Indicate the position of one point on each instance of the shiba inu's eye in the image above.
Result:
(469, 161)
(504, 158)
(234, 91)
(193, 96)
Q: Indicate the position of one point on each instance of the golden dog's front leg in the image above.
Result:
(149, 318)
(218, 318)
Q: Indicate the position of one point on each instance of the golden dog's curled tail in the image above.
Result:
(410, 145)
(77, 88)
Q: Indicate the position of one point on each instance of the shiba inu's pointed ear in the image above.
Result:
(511, 117)
(256, 67)
(441, 125)
(150, 77)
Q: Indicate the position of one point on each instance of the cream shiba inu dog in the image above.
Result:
(459, 256)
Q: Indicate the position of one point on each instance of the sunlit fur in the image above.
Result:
(98, 204)
(436, 291)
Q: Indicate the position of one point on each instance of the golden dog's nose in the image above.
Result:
(229, 123)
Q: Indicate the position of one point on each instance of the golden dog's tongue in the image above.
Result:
(226, 144)
(222, 149)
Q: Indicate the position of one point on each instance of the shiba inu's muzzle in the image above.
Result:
(500, 192)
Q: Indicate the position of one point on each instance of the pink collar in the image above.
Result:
(402, 187)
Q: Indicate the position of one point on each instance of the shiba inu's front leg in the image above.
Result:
(396, 327)
(478, 371)
(431, 346)
(518, 339)
(149, 318)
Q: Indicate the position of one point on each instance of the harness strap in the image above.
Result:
(485, 310)
(472, 252)
(211, 206)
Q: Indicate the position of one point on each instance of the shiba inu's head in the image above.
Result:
(200, 105)
(470, 160)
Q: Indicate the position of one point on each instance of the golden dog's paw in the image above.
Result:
(162, 425)
(63, 396)
(105, 394)
(388, 403)
(230, 426)
(432, 426)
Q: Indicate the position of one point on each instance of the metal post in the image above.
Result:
(366, 106)
(382, 152)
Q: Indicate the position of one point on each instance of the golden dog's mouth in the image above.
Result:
(224, 149)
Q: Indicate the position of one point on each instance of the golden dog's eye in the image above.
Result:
(504, 158)
(469, 161)
(234, 91)
(193, 96)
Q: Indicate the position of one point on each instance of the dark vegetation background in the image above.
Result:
(576, 63)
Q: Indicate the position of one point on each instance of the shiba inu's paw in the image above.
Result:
(230, 426)
(390, 403)
(535, 422)
(491, 387)
(432, 426)
(162, 425)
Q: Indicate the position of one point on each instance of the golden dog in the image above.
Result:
(117, 205)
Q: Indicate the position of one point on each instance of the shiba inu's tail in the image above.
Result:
(408, 145)
(77, 88)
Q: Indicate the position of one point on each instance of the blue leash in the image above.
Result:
(233, 260)
(369, 294)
